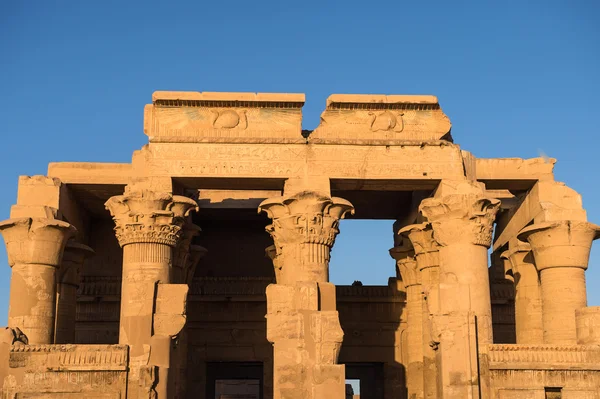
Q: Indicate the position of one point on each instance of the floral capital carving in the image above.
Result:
(306, 217)
(73, 259)
(146, 216)
(304, 229)
(406, 264)
(196, 253)
(425, 246)
(460, 218)
(182, 251)
(563, 243)
(35, 240)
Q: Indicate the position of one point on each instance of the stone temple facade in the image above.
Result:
(157, 279)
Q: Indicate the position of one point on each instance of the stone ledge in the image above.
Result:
(543, 357)
(167, 97)
(70, 357)
(359, 101)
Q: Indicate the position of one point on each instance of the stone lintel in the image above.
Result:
(91, 172)
(513, 173)
(546, 201)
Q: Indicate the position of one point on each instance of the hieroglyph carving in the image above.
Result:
(149, 217)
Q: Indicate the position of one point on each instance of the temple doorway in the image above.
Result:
(234, 380)
(369, 377)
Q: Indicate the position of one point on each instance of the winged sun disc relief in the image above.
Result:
(386, 121)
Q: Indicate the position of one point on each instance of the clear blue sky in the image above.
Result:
(515, 78)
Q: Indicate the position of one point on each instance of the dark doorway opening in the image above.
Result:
(234, 380)
(370, 379)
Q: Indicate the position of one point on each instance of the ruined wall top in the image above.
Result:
(223, 117)
(277, 117)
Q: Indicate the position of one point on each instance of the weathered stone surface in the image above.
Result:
(380, 117)
(223, 117)
(197, 313)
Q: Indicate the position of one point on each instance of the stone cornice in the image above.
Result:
(461, 218)
(146, 216)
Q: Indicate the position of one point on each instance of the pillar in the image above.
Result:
(528, 300)
(302, 320)
(407, 268)
(68, 283)
(148, 226)
(561, 250)
(35, 249)
(462, 222)
(427, 256)
(187, 256)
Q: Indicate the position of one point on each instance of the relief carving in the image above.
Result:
(304, 229)
(146, 216)
(386, 121)
(378, 117)
(461, 217)
(228, 119)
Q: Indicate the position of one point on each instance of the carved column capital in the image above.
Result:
(73, 258)
(146, 216)
(196, 253)
(35, 240)
(305, 218)
(461, 218)
(182, 250)
(304, 229)
(271, 253)
(425, 246)
(406, 264)
(517, 255)
(564, 243)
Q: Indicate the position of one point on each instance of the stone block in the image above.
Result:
(588, 325)
(223, 117)
(285, 326)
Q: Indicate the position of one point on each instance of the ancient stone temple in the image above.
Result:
(201, 268)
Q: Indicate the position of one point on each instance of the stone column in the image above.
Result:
(183, 253)
(462, 225)
(561, 250)
(427, 255)
(302, 320)
(68, 283)
(407, 268)
(149, 225)
(528, 301)
(35, 249)
(187, 256)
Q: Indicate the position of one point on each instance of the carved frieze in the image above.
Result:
(380, 117)
(223, 117)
